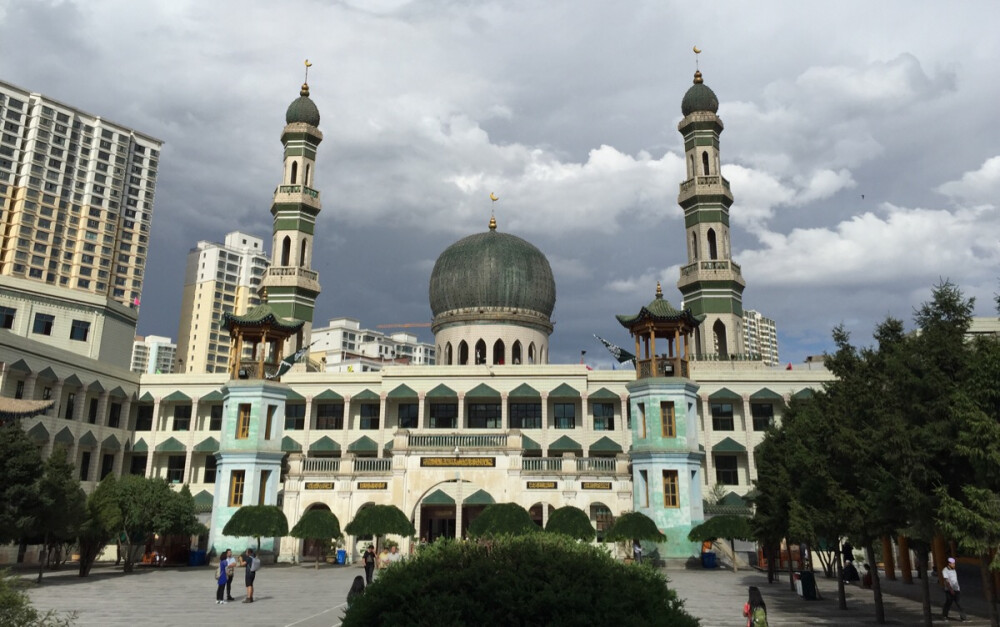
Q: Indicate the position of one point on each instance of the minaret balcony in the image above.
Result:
(661, 366)
(291, 271)
(713, 266)
(286, 194)
(704, 181)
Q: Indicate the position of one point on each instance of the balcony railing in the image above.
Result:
(297, 189)
(662, 367)
(713, 265)
(547, 464)
(292, 271)
(462, 441)
(370, 464)
(319, 464)
(249, 369)
(703, 180)
(600, 464)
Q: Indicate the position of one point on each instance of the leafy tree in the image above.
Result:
(728, 527)
(257, 521)
(535, 579)
(502, 519)
(60, 506)
(16, 609)
(20, 469)
(378, 520)
(634, 526)
(140, 501)
(317, 524)
(101, 523)
(573, 522)
(176, 515)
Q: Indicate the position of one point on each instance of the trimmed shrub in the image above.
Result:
(536, 579)
(502, 519)
(571, 521)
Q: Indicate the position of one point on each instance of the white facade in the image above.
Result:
(343, 346)
(220, 278)
(153, 354)
(760, 337)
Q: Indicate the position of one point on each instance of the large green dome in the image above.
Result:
(699, 98)
(302, 109)
(492, 269)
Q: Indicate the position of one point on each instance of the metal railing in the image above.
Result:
(297, 189)
(661, 367)
(291, 271)
(249, 370)
(450, 441)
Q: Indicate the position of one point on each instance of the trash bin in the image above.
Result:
(708, 559)
(808, 581)
(341, 556)
(196, 558)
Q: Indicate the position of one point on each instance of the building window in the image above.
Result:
(727, 470)
(85, 466)
(644, 480)
(406, 415)
(330, 416)
(92, 411)
(107, 464)
(7, 317)
(182, 417)
(667, 420)
(525, 415)
(262, 486)
(19, 390)
(722, 416)
(243, 427)
(79, 330)
(43, 324)
(369, 416)
(70, 402)
(671, 497)
(115, 415)
(604, 416)
(484, 415)
(642, 420)
(236, 481)
(295, 416)
(443, 415)
(270, 421)
(215, 418)
(137, 466)
(763, 415)
(175, 468)
(144, 418)
(210, 467)
(565, 415)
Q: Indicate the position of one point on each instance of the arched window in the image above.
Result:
(499, 357)
(515, 353)
(286, 250)
(713, 248)
(480, 352)
(721, 344)
(463, 353)
(447, 354)
(691, 170)
(295, 172)
(704, 162)
(305, 179)
(531, 353)
(694, 246)
(302, 254)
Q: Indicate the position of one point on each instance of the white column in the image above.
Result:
(421, 412)
(102, 408)
(382, 418)
(461, 411)
(748, 435)
(623, 421)
(584, 405)
(545, 418)
(706, 412)
(504, 418)
(309, 423)
(57, 391)
(29, 386)
(152, 438)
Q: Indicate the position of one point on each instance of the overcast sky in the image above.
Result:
(861, 142)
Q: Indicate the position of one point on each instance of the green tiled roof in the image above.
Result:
(483, 391)
(524, 392)
(365, 395)
(660, 310)
(212, 397)
(111, 443)
(402, 392)
(804, 393)
(606, 445)
(208, 445)
(203, 501)
(442, 391)
(528, 444)
(479, 497)
(170, 445)
(565, 391)
(699, 97)
(176, 396)
(140, 446)
(64, 437)
(724, 394)
(729, 445)
(565, 443)
(328, 395)
(260, 316)
(88, 440)
(364, 444)
(324, 445)
(764, 394)
(603, 394)
(288, 445)
(302, 109)
(146, 398)
(39, 433)
(292, 395)
(438, 497)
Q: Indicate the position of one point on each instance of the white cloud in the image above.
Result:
(979, 187)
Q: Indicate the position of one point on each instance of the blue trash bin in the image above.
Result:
(708, 559)
(341, 556)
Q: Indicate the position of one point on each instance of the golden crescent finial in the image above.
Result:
(306, 81)
(697, 50)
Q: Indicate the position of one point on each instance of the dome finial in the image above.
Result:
(493, 220)
(305, 83)
(659, 291)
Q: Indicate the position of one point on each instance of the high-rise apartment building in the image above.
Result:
(153, 354)
(220, 278)
(344, 346)
(760, 337)
(76, 198)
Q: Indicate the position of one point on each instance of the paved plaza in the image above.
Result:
(299, 596)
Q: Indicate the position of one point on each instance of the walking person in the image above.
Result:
(951, 589)
(755, 609)
(369, 559)
(252, 565)
(221, 579)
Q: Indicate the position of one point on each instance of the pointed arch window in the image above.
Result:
(515, 353)
(302, 254)
(463, 353)
(713, 247)
(480, 352)
(295, 172)
(447, 354)
(286, 250)
(704, 162)
(721, 344)
(694, 246)
(531, 353)
(499, 356)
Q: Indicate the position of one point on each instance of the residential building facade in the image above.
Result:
(153, 354)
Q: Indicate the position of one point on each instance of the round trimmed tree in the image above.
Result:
(502, 519)
(571, 521)
(256, 521)
(534, 579)
(317, 524)
(379, 520)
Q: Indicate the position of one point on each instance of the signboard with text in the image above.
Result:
(542, 485)
(458, 462)
(596, 485)
(373, 485)
(319, 485)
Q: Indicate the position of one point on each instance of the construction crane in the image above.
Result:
(404, 325)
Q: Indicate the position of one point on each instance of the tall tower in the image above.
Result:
(290, 286)
(711, 282)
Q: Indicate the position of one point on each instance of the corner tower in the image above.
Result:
(711, 283)
(290, 286)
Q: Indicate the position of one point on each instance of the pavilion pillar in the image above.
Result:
(888, 559)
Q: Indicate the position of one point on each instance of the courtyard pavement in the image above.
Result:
(299, 596)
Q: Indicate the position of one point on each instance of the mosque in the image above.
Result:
(493, 421)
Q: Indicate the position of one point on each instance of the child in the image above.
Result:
(755, 610)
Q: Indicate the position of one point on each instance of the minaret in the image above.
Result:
(710, 282)
(290, 287)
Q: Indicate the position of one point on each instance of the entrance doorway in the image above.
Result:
(437, 521)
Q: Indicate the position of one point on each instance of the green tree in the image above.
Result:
(535, 579)
(60, 507)
(502, 519)
(317, 524)
(101, 523)
(140, 501)
(634, 526)
(257, 521)
(379, 520)
(571, 521)
(20, 469)
(728, 527)
(16, 609)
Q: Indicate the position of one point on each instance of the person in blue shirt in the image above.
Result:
(223, 577)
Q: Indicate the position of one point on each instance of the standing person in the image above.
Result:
(394, 556)
(637, 550)
(951, 589)
(252, 564)
(755, 610)
(230, 574)
(221, 579)
(357, 589)
(848, 551)
(369, 559)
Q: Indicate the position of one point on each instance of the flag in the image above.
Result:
(617, 352)
(287, 363)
